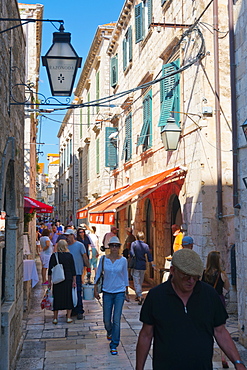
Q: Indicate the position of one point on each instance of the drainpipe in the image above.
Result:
(233, 105)
(217, 108)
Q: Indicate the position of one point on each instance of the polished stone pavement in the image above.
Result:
(83, 344)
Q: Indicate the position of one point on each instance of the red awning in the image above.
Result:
(83, 212)
(31, 205)
(104, 213)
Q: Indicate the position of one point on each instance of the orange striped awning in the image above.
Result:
(83, 212)
(104, 213)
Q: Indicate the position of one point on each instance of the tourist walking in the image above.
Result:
(62, 292)
(45, 254)
(140, 250)
(86, 241)
(177, 233)
(79, 254)
(107, 237)
(183, 316)
(217, 278)
(115, 290)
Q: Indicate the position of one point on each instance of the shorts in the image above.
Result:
(45, 258)
(93, 262)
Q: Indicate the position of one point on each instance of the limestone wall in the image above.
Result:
(12, 135)
(240, 13)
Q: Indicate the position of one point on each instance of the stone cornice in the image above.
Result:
(92, 55)
(125, 12)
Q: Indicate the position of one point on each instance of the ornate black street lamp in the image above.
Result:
(61, 62)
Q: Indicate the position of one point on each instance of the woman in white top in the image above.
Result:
(115, 290)
(45, 254)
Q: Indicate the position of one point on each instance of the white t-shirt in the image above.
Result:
(43, 240)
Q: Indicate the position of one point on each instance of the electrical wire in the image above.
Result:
(205, 25)
(119, 95)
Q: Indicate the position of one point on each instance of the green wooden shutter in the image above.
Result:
(114, 71)
(150, 11)
(110, 149)
(145, 137)
(169, 94)
(97, 90)
(139, 22)
(128, 130)
(130, 43)
(127, 146)
(97, 156)
(124, 54)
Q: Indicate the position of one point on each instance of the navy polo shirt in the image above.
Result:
(183, 336)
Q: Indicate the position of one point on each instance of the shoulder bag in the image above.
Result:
(132, 261)
(99, 282)
(74, 297)
(57, 272)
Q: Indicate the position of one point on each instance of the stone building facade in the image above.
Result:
(238, 14)
(83, 176)
(33, 34)
(12, 61)
(142, 50)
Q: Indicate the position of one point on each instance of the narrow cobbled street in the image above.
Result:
(83, 344)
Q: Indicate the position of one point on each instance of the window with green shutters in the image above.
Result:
(97, 90)
(127, 48)
(114, 71)
(169, 94)
(97, 156)
(88, 111)
(127, 147)
(111, 157)
(145, 137)
(143, 18)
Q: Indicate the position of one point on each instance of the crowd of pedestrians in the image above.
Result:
(187, 311)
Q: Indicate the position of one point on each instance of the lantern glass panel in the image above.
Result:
(62, 73)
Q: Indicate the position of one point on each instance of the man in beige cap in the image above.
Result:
(183, 316)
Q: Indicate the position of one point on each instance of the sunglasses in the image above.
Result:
(114, 245)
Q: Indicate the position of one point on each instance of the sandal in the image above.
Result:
(54, 321)
(114, 351)
(140, 302)
(69, 321)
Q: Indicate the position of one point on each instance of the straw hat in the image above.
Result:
(188, 262)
